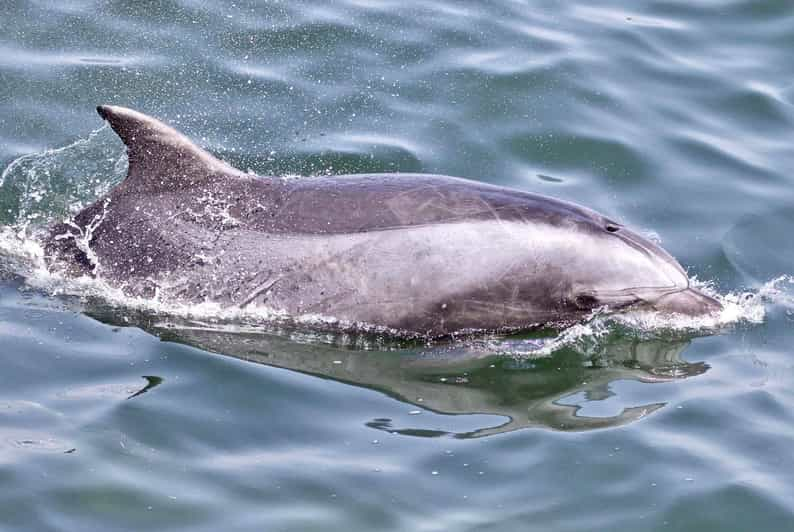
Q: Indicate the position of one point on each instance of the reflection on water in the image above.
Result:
(465, 377)
(151, 382)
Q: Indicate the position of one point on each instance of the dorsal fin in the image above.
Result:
(160, 157)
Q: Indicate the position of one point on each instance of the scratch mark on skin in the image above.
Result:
(323, 303)
(490, 208)
(173, 217)
(264, 287)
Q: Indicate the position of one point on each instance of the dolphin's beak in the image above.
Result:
(687, 301)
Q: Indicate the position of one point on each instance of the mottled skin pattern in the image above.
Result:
(420, 253)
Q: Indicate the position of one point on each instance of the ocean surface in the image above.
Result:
(674, 117)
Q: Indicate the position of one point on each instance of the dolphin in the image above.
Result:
(413, 253)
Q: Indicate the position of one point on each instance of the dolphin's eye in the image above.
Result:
(612, 228)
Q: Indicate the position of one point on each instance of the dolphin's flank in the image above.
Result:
(419, 253)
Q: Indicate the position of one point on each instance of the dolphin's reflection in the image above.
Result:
(461, 378)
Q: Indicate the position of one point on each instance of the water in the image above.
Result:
(669, 116)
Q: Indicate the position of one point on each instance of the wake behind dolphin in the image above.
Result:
(423, 254)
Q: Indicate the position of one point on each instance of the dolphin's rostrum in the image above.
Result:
(419, 253)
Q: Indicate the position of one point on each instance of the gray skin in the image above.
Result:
(424, 254)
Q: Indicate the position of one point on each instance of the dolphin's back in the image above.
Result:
(165, 163)
(372, 202)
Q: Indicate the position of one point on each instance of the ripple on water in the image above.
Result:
(27, 59)
(22, 432)
(672, 115)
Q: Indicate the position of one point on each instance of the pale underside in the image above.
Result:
(429, 278)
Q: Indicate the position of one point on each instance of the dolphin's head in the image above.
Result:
(619, 268)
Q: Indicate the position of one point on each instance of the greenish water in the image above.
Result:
(673, 117)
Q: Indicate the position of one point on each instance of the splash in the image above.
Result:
(83, 236)
(47, 187)
(216, 210)
(41, 188)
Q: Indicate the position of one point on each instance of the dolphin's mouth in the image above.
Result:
(688, 301)
(671, 300)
